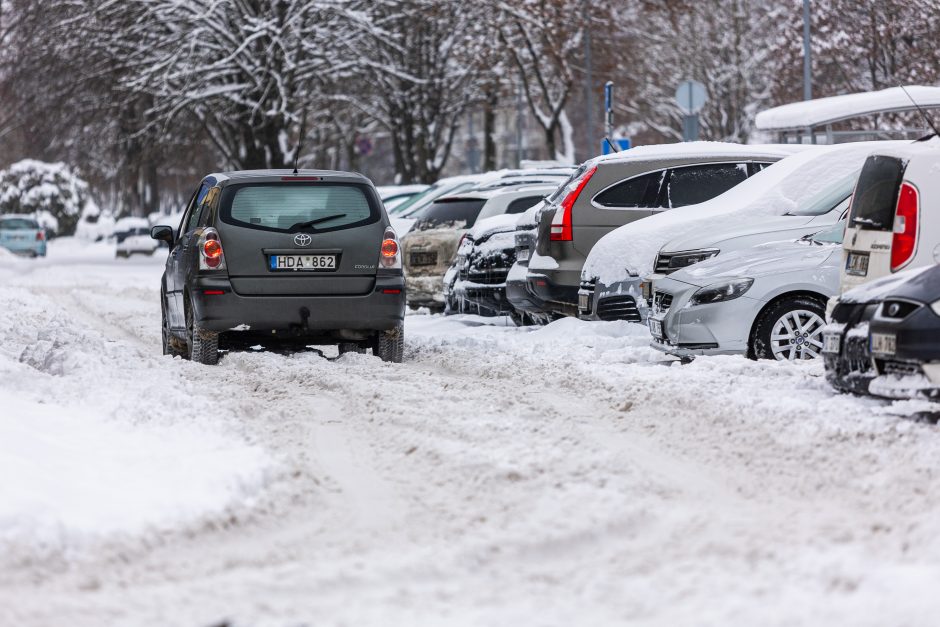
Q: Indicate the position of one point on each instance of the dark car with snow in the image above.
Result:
(286, 258)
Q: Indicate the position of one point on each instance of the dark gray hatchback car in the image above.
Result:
(276, 257)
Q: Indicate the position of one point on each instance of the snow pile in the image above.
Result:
(782, 187)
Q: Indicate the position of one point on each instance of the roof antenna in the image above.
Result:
(300, 141)
(614, 147)
(924, 114)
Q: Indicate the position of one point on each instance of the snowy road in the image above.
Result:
(501, 476)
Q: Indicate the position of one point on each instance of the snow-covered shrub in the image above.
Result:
(51, 192)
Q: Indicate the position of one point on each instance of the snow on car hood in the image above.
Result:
(778, 189)
(759, 261)
(496, 224)
(879, 288)
(698, 239)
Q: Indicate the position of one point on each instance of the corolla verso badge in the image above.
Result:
(302, 239)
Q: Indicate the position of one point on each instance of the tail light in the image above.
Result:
(390, 252)
(40, 236)
(211, 255)
(904, 242)
(562, 230)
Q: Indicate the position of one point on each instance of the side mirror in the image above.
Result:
(163, 233)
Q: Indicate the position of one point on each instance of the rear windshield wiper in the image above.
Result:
(868, 221)
(308, 223)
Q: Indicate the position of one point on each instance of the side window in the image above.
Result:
(640, 191)
(519, 205)
(208, 207)
(191, 219)
(697, 183)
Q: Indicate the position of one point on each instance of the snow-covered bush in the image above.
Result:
(51, 192)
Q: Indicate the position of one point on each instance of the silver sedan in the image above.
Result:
(768, 301)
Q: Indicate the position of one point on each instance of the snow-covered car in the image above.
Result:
(628, 299)
(766, 302)
(484, 259)
(846, 342)
(613, 190)
(22, 235)
(430, 247)
(285, 258)
(758, 210)
(394, 195)
(904, 337)
(137, 241)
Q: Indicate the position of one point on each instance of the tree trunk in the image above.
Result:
(489, 130)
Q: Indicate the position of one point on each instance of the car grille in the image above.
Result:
(424, 259)
(618, 308)
(853, 313)
(662, 301)
(900, 368)
(856, 355)
(493, 276)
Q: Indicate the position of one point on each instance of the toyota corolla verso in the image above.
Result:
(276, 257)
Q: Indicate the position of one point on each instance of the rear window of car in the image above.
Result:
(295, 207)
(450, 211)
(876, 193)
(18, 224)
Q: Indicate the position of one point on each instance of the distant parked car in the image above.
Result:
(276, 257)
(136, 241)
(22, 235)
(904, 337)
(430, 247)
(394, 195)
(766, 302)
(799, 195)
(618, 189)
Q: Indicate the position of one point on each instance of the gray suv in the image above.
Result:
(283, 258)
(609, 192)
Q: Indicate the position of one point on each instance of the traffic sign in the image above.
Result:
(623, 143)
(691, 97)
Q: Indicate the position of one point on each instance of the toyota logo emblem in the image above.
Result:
(302, 239)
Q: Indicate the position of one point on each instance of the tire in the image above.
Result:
(390, 345)
(170, 344)
(203, 345)
(789, 330)
(350, 347)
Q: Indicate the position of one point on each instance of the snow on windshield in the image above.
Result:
(777, 190)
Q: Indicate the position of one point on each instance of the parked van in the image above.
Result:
(891, 226)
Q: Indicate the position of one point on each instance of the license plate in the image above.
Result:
(424, 259)
(523, 254)
(883, 343)
(584, 301)
(857, 264)
(831, 342)
(656, 328)
(302, 262)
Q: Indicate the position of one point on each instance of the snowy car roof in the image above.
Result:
(822, 111)
(275, 175)
(704, 150)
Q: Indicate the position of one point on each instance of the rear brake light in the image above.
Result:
(301, 178)
(40, 236)
(211, 255)
(562, 230)
(390, 252)
(904, 242)
(391, 291)
(213, 292)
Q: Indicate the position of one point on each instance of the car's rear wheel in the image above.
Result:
(390, 345)
(203, 344)
(350, 347)
(789, 330)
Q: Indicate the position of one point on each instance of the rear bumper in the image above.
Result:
(562, 299)
(26, 248)
(228, 311)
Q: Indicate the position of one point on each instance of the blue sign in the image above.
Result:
(622, 144)
(608, 96)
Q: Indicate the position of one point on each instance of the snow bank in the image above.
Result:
(631, 249)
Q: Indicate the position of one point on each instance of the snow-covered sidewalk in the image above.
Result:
(565, 475)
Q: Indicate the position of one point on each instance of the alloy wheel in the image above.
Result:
(797, 335)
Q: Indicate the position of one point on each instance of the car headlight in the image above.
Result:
(720, 292)
(684, 260)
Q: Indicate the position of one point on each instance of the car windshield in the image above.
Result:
(291, 207)
(831, 235)
(457, 211)
(18, 224)
(829, 198)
